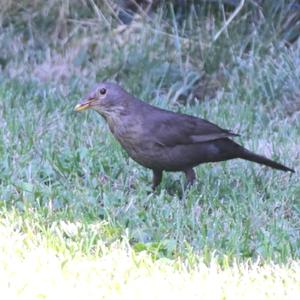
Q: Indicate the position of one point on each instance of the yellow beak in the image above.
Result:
(83, 106)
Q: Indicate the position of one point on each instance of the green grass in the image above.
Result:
(45, 260)
(75, 211)
(57, 160)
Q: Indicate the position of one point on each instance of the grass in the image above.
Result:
(47, 262)
(54, 158)
(72, 201)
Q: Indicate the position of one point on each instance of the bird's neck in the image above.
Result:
(113, 117)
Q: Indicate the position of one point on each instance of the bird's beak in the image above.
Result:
(84, 105)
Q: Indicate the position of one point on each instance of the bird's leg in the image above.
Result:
(157, 177)
(190, 176)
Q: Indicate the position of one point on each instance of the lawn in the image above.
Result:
(77, 216)
(50, 262)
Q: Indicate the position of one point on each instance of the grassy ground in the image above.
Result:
(76, 211)
(50, 262)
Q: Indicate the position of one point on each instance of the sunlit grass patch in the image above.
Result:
(35, 265)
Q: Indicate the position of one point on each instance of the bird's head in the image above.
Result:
(106, 98)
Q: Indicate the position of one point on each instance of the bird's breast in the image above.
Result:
(128, 134)
(139, 146)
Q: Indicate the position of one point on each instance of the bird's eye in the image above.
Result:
(102, 91)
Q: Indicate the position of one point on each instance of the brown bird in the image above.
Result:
(162, 140)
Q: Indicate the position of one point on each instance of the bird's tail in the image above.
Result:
(248, 155)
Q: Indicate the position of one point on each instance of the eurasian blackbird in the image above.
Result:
(162, 140)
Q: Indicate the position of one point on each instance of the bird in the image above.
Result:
(163, 140)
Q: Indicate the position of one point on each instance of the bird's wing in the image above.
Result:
(170, 129)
